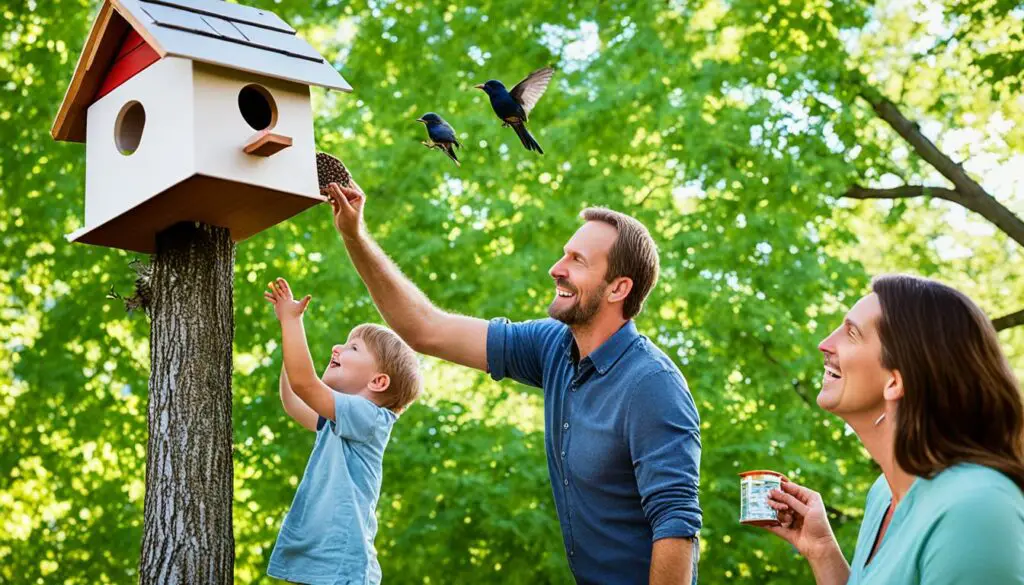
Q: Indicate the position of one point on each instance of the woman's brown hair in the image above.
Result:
(961, 402)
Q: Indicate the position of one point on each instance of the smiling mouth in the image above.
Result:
(563, 293)
(334, 364)
(832, 372)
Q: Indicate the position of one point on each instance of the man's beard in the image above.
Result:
(581, 312)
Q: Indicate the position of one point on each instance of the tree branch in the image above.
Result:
(925, 148)
(968, 192)
(988, 208)
(1009, 321)
(650, 189)
(904, 192)
(795, 383)
(836, 515)
(908, 191)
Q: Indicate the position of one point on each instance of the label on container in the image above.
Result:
(754, 491)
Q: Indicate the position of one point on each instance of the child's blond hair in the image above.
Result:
(396, 359)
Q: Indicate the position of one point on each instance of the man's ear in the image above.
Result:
(379, 383)
(619, 289)
(894, 386)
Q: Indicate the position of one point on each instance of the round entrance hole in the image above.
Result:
(257, 107)
(128, 128)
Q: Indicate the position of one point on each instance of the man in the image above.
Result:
(621, 430)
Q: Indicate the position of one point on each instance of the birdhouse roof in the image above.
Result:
(211, 31)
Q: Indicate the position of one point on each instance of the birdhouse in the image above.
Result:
(192, 110)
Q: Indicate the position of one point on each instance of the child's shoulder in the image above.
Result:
(359, 419)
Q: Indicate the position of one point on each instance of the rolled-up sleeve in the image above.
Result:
(516, 350)
(663, 433)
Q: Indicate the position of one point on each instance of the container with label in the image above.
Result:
(754, 489)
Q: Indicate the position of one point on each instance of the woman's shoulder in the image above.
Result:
(971, 477)
(879, 492)
(969, 487)
(971, 527)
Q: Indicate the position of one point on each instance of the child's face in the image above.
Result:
(351, 368)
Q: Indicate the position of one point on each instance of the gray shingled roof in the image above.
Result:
(235, 36)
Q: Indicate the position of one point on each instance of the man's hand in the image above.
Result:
(347, 204)
(285, 306)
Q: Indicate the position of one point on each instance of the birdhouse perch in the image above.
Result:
(192, 110)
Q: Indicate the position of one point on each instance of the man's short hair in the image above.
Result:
(634, 255)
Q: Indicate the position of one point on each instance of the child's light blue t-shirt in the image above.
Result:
(964, 526)
(327, 535)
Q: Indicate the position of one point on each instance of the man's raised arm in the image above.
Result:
(427, 329)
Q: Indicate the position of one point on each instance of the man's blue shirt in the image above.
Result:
(622, 438)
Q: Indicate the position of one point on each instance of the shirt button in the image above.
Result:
(566, 482)
(572, 553)
(565, 425)
(563, 454)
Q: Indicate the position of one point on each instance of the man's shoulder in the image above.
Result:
(545, 324)
(650, 364)
(543, 331)
(657, 390)
(656, 380)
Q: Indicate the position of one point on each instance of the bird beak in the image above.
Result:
(421, 120)
(481, 86)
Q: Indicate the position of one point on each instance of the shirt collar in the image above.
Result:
(609, 352)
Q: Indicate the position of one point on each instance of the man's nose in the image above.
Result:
(558, 269)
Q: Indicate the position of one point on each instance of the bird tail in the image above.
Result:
(449, 149)
(527, 139)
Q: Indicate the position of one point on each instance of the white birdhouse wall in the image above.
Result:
(231, 108)
(139, 139)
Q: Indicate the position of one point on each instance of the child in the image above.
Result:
(327, 535)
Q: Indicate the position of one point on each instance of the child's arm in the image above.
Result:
(298, 364)
(294, 406)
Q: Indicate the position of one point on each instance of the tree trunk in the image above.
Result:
(187, 535)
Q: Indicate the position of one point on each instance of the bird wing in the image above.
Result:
(442, 133)
(528, 91)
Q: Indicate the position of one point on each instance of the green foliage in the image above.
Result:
(729, 128)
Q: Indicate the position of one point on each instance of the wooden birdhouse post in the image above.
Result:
(198, 131)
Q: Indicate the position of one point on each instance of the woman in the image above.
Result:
(916, 370)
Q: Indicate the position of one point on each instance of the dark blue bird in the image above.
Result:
(513, 107)
(442, 135)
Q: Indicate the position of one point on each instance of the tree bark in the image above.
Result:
(187, 534)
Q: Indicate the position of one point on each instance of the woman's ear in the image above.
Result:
(894, 386)
(379, 382)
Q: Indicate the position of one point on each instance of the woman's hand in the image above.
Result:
(803, 520)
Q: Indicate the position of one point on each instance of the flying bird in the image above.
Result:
(513, 107)
(441, 135)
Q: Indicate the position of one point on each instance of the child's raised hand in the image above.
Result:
(285, 305)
